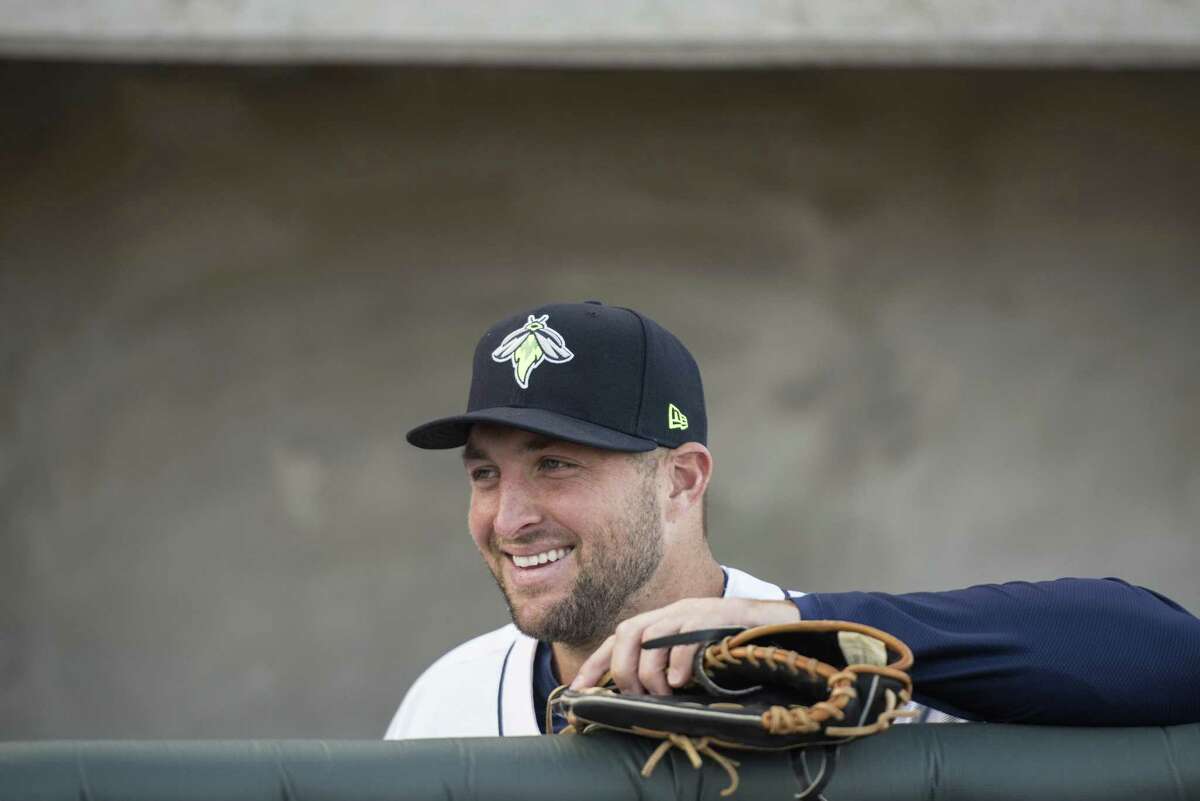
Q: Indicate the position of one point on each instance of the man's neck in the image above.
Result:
(708, 583)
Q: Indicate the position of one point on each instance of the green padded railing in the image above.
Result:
(968, 762)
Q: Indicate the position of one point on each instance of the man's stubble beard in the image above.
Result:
(606, 583)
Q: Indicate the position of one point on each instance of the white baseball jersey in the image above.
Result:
(484, 687)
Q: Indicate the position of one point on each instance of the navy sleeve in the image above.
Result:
(1096, 652)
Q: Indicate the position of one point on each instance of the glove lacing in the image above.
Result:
(693, 748)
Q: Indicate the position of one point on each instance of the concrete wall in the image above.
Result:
(616, 32)
(947, 322)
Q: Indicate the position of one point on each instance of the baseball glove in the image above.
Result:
(815, 683)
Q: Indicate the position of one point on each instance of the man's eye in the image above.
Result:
(550, 463)
(483, 473)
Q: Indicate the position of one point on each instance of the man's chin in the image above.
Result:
(530, 618)
(564, 623)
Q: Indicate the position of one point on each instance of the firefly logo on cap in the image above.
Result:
(529, 346)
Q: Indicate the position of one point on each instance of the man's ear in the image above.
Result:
(689, 468)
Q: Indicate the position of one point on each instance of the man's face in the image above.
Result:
(570, 532)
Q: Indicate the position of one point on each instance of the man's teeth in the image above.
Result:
(541, 558)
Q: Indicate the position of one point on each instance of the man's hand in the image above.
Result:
(657, 671)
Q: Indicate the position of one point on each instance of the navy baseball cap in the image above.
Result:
(599, 375)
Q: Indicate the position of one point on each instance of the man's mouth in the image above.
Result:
(538, 559)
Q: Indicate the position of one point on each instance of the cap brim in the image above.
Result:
(452, 432)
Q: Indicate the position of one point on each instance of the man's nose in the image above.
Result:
(516, 510)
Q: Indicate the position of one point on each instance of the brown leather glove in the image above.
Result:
(796, 685)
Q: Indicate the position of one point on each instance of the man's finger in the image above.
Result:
(679, 669)
(594, 666)
(626, 655)
(652, 667)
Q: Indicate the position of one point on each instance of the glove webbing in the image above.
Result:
(800, 719)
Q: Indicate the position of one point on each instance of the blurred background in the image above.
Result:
(938, 266)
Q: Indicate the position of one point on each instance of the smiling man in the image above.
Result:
(584, 446)
(578, 537)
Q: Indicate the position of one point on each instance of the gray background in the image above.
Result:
(947, 320)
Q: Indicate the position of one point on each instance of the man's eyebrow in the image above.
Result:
(534, 444)
(473, 454)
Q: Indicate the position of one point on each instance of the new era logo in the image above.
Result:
(676, 420)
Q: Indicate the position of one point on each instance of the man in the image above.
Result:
(584, 445)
